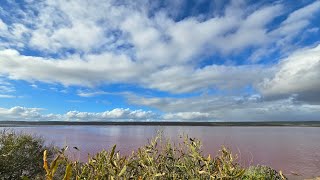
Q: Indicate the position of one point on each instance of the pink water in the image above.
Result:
(290, 149)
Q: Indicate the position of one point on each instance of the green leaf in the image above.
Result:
(123, 170)
(54, 165)
(25, 178)
(68, 172)
(112, 152)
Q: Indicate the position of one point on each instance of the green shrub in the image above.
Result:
(262, 172)
(159, 159)
(21, 155)
(21, 158)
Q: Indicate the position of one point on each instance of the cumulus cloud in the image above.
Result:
(89, 71)
(296, 75)
(115, 114)
(23, 113)
(35, 114)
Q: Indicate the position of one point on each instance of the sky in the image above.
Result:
(152, 60)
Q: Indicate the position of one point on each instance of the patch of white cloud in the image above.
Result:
(89, 71)
(297, 74)
(189, 116)
(80, 36)
(252, 31)
(6, 95)
(3, 26)
(35, 114)
(6, 89)
(115, 114)
(303, 13)
(230, 108)
(93, 70)
(297, 22)
(181, 79)
(91, 93)
(22, 113)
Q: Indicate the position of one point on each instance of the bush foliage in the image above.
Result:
(159, 159)
(21, 155)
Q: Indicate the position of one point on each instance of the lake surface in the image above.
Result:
(290, 149)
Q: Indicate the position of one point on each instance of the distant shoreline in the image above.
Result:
(99, 123)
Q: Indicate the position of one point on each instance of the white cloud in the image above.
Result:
(89, 71)
(6, 95)
(282, 37)
(101, 25)
(303, 13)
(91, 93)
(93, 70)
(35, 114)
(3, 26)
(295, 23)
(297, 74)
(187, 116)
(80, 36)
(253, 30)
(206, 108)
(6, 87)
(230, 108)
(122, 43)
(22, 113)
(117, 114)
(186, 79)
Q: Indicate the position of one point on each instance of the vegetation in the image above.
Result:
(21, 155)
(24, 157)
(160, 159)
(262, 172)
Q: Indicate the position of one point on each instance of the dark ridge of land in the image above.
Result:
(161, 123)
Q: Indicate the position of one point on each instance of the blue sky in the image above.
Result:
(172, 60)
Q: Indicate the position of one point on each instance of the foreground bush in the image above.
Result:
(21, 156)
(159, 159)
(262, 172)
